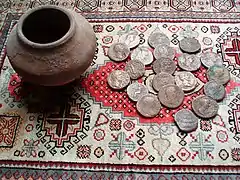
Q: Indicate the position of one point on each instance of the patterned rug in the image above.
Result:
(88, 131)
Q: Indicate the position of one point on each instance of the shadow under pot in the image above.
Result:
(51, 46)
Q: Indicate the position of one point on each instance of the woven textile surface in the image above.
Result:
(93, 132)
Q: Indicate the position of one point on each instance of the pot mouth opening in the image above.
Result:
(46, 27)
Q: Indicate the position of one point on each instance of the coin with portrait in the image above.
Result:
(142, 54)
(185, 80)
(162, 79)
(189, 62)
(118, 52)
(171, 96)
(118, 79)
(131, 39)
(136, 90)
(148, 105)
(214, 90)
(205, 107)
(218, 73)
(209, 59)
(157, 38)
(165, 51)
(190, 45)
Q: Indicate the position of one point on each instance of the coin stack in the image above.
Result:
(170, 85)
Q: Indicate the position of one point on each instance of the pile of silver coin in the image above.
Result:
(170, 85)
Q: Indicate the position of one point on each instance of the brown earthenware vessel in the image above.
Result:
(51, 46)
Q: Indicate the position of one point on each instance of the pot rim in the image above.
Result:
(60, 41)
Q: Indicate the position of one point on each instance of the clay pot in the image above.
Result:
(51, 46)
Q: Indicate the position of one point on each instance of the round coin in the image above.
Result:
(210, 58)
(157, 38)
(214, 90)
(131, 39)
(135, 69)
(149, 83)
(142, 54)
(118, 79)
(171, 96)
(148, 105)
(185, 80)
(164, 65)
(189, 62)
(190, 45)
(161, 80)
(118, 52)
(205, 107)
(136, 90)
(218, 73)
(186, 120)
(165, 51)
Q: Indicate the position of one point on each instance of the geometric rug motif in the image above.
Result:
(59, 131)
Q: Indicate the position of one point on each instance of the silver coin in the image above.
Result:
(164, 65)
(149, 84)
(214, 90)
(165, 51)
(171, 96)
(185, 80)
(136, 90)
(186, 120)
(131, 39)
(118, 52)
(161, 80)
(210, 58)
(205, 107)
(218, 73)
(157, 38)
(142, 54)
(189, 62)
(190, 45)
(199, 86)
(148, 105)
(135, 69)
(118, 79)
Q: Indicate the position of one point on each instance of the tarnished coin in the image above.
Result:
(148, 105)
(214, 90)
(149, 83)
(164, 65)
(161, 80)
(135, 69)
(190, 45)
(165, 51)
(118, 79)
(136, 90)
(189, 62)
(118, 52)
(185, 80)
(218, 73)
(142, 54)
(158, 38)
(131, 39)
(171, 96)
(210, 58)
(186, 120)
(205, 107)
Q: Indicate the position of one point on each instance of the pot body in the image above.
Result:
(57, 62)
